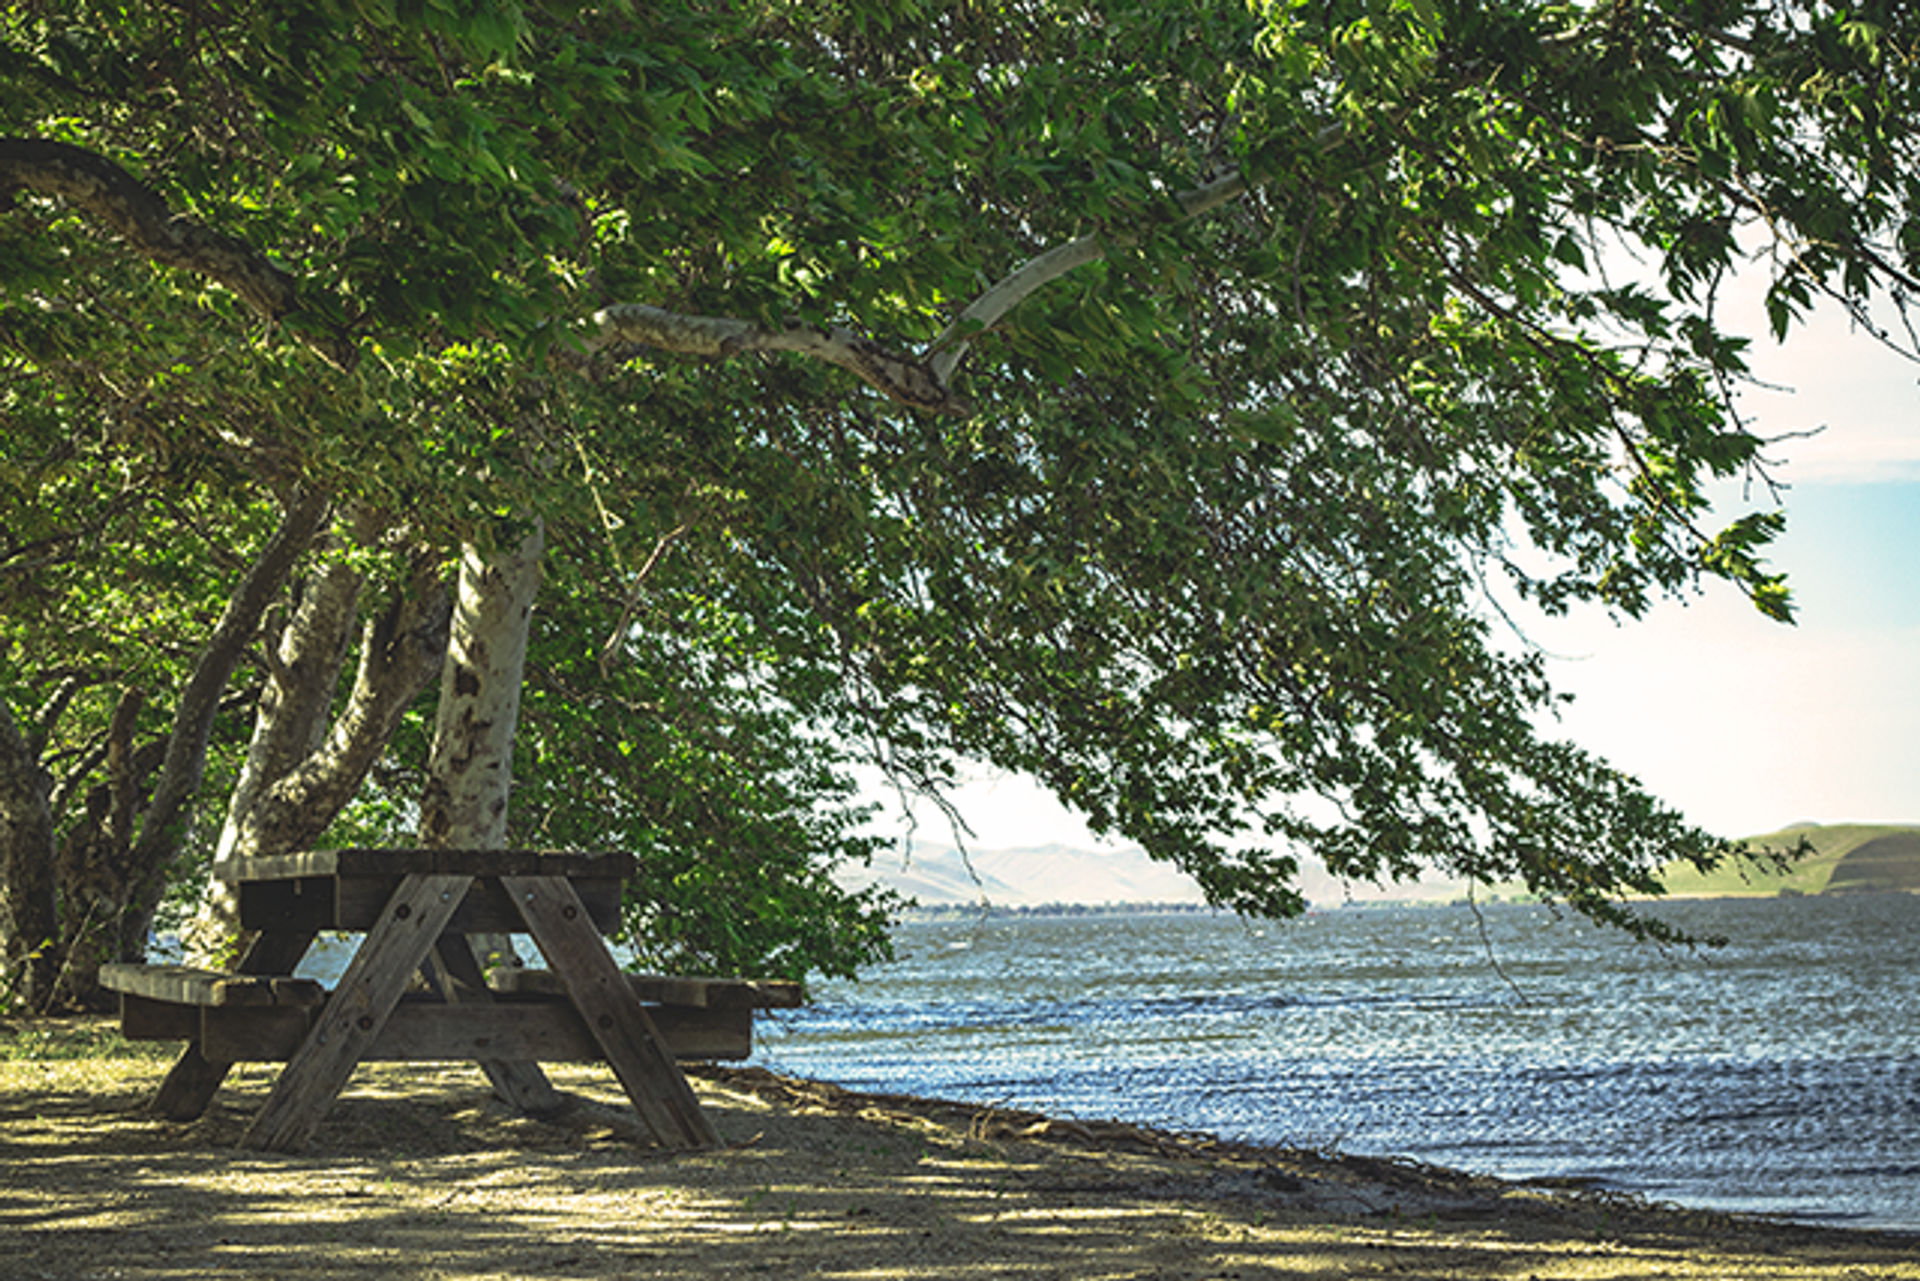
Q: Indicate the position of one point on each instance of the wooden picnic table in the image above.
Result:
(416, 907)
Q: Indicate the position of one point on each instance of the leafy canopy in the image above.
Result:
(1330, 332)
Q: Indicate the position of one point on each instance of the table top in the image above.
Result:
(403, 861)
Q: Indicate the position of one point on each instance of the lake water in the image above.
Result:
(1780, 1074)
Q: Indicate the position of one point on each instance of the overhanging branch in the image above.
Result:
(901, 378)
(921, 383)
(986, 310)
(104, 191)
(108, 193)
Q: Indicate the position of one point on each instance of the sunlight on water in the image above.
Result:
(1779, 1074)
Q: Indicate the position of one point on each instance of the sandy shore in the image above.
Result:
(419, 1174)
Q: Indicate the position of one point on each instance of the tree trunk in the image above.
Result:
(94, 874)
(301, 773)
(29, 924)
(102, 885)
(290, 722)
(164, 827)
(470, 773)
(293, 711)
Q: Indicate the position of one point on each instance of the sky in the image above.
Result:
(1744, 724)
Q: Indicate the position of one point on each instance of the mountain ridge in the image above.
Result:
(1054, 873)
(1843, 858)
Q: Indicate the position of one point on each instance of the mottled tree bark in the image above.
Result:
(302, 771)
(470, 773)
(164, 825)
(290, 721)
(95, 876)
(106, 192)
(98, 889)
(28, 921)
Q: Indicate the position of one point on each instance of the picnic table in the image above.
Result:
(416, 908)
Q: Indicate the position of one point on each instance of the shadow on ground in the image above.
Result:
(418, 1173)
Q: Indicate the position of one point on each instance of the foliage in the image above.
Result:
(1208, 550)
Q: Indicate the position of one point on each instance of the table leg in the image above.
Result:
(195, 1079)
(461, 981)
(413, 920)
(633, 1046)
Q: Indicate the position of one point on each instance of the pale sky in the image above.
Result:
(1744, 724)
(1748, 725)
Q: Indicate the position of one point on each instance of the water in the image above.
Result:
(1780, 1074)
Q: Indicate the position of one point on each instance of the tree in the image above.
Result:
(1135, 395)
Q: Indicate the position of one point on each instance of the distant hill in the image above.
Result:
(1030, 876)
(1846, 858)
(935, 875)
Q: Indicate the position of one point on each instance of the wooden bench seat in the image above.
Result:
(186, 985)
(246, 1018)
(666, 989)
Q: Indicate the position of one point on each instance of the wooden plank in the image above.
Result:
(300, 903)
(188, 985)
(190, 1085)
(178, 983)
(705, 1034)
(429, 1032)
(194, 1079)
(144, 1019)
(424, 1030)
(253, 1033)
(404, 861)
(485, 910)
(668, 989)
(640, 1059)
(547, 1031)
(359, 1008)
(758, 994)
(516, 1079)
(354, 902)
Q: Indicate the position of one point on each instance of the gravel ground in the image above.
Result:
(418, 1173)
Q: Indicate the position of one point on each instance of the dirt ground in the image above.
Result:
(417, 1173)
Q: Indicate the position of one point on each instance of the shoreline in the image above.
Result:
(418, 1173)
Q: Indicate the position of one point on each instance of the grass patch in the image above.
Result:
(1830, 846)
(86, 1036)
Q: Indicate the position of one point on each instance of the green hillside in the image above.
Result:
(1846, 858)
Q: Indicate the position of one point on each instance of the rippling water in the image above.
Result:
(1780, 1074)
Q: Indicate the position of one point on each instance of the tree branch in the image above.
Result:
(986, 310)
(899, 378)
(186, 759)
(108, 193)
(105, 191)
(400, 654)
(917, 383)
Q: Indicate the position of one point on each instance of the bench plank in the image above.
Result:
(423, 1030)
(669, 989)
(195, 1078)
(421, 861)
(144, 1019)
(187, 985)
